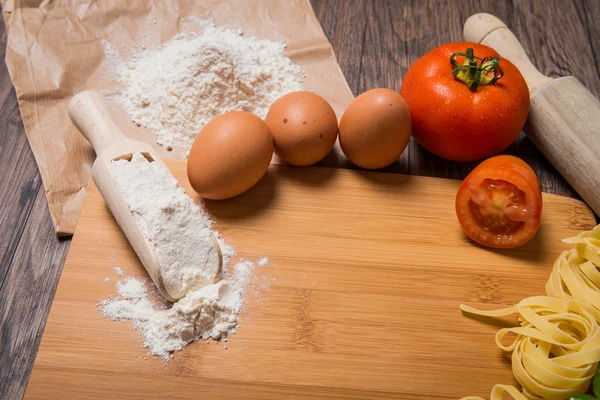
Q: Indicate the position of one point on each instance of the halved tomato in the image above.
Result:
(499, 204)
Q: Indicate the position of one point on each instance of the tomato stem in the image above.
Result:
(487, 72)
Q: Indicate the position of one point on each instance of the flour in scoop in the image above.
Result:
(178, 230)
(177, 89)
(180, 233)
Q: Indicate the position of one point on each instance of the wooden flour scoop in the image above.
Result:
(564, 119)
(88, 113)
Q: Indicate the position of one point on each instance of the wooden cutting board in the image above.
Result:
(360, 297)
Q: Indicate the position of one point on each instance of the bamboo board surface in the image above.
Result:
(359, 298)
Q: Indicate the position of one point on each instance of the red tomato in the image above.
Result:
(458, 122)
(499, 204)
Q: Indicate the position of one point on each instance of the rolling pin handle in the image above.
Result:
(89, 114)
(487, 29)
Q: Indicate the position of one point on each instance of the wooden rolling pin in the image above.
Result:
(564, 119)
(88, 113)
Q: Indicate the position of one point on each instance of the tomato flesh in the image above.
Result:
(505, 203)
(499, 204)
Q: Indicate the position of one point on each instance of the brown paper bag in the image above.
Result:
(55, 49)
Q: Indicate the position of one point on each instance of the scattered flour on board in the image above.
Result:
(131, 288)
(177, 89)
(242, 272)
(118, 271)
(263, 261)
(209, 312)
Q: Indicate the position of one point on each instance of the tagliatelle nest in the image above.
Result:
(557, 347)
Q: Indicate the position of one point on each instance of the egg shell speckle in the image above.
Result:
(304, 128)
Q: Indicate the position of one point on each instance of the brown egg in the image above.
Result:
(304, 128)
(375, 128)
(230, 154)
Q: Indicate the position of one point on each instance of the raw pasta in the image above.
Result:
(556, 350)
(575, 274)
(497, 392)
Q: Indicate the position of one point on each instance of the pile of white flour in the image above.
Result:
(178, 230)
(209, 312)
(177, 89)
(180, 233)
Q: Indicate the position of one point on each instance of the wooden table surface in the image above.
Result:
(375, 42)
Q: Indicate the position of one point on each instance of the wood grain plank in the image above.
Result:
(20, 178)
(560, 42)
(20, 183)
(219, 389)
(348, 39)
(591, 11)
(26, 296)
(357, 292)
(24, 305)
(327, 12)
